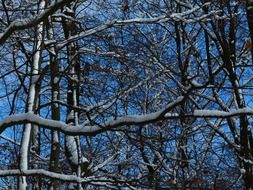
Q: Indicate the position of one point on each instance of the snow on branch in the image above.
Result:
(120, 121)
(22, 24)
(30, 117)
(97, 52)
(41, 172)
(109, 25)
(222, 114)
(150, 20)
(212, 113)
(58, 176)
(110, 159)
(143, 119)
(99, 181)
(28, 23)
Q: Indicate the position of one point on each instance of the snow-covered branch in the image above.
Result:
(97, 52)
(110, 159)
(41, 172)
(213, 113)
(222, 114)
(31, 22)
(99, 181)
(120, 121)
(86, 129)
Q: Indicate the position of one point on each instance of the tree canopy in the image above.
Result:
(126, 94)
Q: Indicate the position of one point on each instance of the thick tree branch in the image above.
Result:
(57, 176)
(89, 130)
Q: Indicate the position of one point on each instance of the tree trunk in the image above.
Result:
(72, 144)
(55, 109)
(25, 142)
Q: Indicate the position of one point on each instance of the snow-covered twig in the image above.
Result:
(104, 163)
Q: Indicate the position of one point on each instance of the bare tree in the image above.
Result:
(130, 94)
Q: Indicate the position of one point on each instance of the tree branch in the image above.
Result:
(30, 117)
(28, 23)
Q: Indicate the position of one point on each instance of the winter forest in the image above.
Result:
(126, 94)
